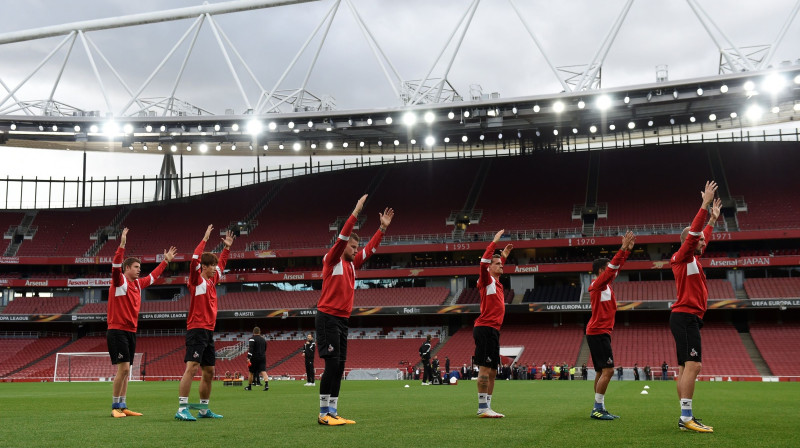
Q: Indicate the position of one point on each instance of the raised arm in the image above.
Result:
(616, 263)
(116, 264)
(371, 247)
(486, 260)
(335, 252)
(194, 266)
(150, 279)
(226, 252)
(716, 210)
(686, 252)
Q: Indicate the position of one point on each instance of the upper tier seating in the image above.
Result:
(42, 305)
(65, 232)
(665, 290)
(766, 176)
(650, 202)
(773, 288)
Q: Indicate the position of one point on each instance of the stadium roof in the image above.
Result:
(724, 102)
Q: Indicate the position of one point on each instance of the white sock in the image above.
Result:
(686, 409)
(601, 400)
(323, 403)
(489, 400)
(115, 400)
(332, 404)
(122, 399)
(183, 403)
(203, 411)
(482, 403)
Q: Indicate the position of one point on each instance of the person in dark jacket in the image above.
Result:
(257, 358)
(425, 355)
(308, 352)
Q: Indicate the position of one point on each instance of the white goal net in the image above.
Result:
(91, 366)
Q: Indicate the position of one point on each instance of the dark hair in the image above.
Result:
(429, 337)
(208, 259)
(354, 236)
(598, 264)
(256, 330)
(130, 261)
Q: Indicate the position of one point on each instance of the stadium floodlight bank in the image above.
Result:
(91, 366)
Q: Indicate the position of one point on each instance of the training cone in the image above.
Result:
(647, 387)
(406, 385)
(644, 392)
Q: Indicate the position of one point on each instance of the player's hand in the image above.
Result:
(498, 235)
(359, 205)
(716, 209)
(170, 254)
(386, 217)
(628, 240)
(708, 193)
(208, 232)
(507, 250)
(228, 240)
(123, 238)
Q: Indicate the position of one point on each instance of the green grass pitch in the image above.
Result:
(538, 413)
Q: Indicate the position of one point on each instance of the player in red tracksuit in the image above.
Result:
(686, 318)
(124, 300)
(205, 272)
(336, 304)
(486, 331)
(600, 326)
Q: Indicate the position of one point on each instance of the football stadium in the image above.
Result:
(195, 219)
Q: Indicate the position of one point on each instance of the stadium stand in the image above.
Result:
(778, 346)
(548, 200)
(8, 220)
(430, 190)
(542, 344)
(42, 305)
(773, 288)
(650, 202)
(44, 368)
(181, 223)
(772, 204)
(16, 353)
(473, 295)
(65, 232)
(552, 293)
(311, 230)
(665, 290)
(652, 343)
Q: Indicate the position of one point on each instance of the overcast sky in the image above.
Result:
(496, 53)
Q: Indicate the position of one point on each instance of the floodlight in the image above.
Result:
(296, 146)
(429, 117)
(603, 102)
(558, 107)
